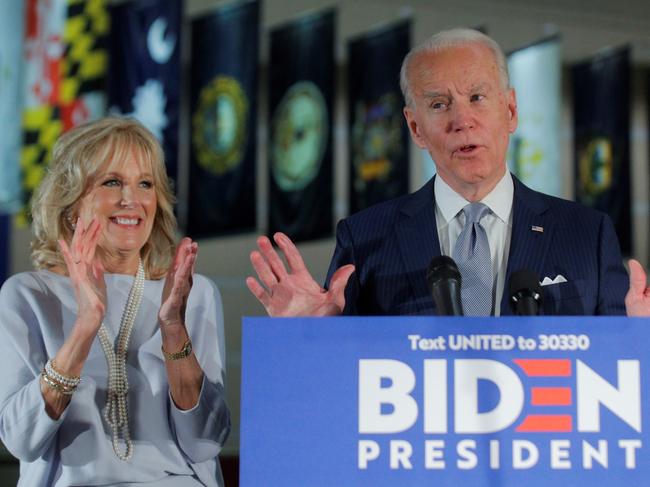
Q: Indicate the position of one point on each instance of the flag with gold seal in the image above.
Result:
(223, 126)
(379, 139)
(301, 90)
(601, 106)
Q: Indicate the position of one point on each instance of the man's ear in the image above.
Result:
(414, 127)
(512, 110)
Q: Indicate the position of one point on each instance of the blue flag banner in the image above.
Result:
(12, 24)
(483, 402)
(379, 138)
(5, 235)
(534, 152)
(601, 108)
(225, 47)
(144, 78)
(301, 91)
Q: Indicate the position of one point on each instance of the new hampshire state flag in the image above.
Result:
(224, 120)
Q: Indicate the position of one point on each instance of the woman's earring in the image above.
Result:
(71, 220)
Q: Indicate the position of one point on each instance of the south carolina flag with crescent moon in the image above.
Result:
(145, 71)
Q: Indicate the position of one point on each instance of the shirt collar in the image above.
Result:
(499, 200)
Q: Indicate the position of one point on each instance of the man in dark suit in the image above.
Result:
(460, 108)
(391, 245)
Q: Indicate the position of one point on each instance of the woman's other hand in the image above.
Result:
(178, 284)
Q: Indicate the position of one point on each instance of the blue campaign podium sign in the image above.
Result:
(418, 401)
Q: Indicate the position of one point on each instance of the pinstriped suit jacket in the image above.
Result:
(391, 245)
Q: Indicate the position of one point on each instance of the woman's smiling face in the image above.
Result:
(123, 198)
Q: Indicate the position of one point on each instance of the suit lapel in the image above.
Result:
(417, 237)
(528, 245)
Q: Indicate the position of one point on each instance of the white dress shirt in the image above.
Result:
(450, 221)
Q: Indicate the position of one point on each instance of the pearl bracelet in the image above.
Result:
(52, 384)
(69, 381)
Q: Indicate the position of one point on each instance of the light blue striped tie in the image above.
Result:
(472, 255)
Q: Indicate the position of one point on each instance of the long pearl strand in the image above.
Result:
(116, 411)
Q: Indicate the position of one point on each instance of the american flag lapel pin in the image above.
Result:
(536, 228)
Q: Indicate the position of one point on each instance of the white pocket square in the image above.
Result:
(547, 281)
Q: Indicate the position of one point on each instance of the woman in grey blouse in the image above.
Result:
(112, 351)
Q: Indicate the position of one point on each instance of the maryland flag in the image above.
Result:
(65, 66)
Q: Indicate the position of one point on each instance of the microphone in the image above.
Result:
(525, 293)
(444, 282)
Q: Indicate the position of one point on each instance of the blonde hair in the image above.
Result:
(445, 39)
(77, 158)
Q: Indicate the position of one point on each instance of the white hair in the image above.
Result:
(452, 38)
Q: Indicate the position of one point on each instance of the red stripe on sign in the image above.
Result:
(550, 396)
(545, 367)
(560, 423)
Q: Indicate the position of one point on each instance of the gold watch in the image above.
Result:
(182, 353)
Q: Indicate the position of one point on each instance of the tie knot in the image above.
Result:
(474, 212)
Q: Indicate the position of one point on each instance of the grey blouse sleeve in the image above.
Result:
(25, 428)
(202, 430)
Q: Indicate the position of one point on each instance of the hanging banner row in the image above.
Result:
(83, 60)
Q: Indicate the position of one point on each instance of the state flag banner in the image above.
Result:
(5, 246)
(225, 49)
(601, 106)
(301, 90)
(534, 150)
(12, 24)
(379, 138)
(144, 79)
(64, 72)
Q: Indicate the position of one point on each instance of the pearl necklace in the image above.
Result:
(116, 412)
